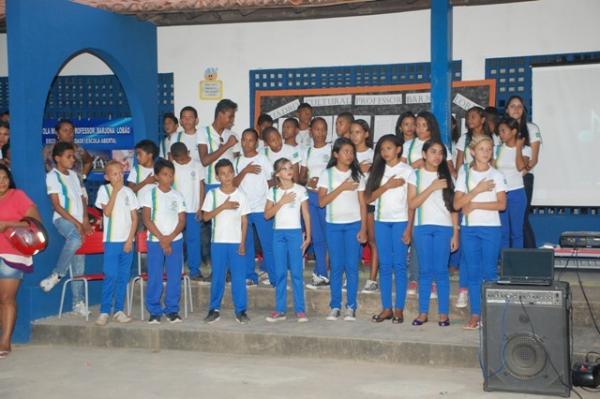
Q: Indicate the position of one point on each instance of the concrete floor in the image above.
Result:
(47, 372)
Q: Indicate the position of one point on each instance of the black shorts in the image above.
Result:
(370, 208)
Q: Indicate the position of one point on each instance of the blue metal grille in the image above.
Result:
(344, 76)
(513, 74)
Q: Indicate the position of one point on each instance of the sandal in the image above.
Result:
(417, 322)
(4, 354)
(471, 326)
(378, 318)
(398, 317)
(444, 323)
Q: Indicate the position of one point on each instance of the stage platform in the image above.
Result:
(360, 340)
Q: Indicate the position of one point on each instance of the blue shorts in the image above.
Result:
(9, 273)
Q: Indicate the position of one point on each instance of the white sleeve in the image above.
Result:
(207, 206)
(132, 175)
(52, 184)
(412, 178)
(244, 208)
(361, 184)
(500, 181)
(146, 198)
(461, 181)
(102, 197)
(303, 194)
(201, 137)
(460, 145)
(534, 132)
(324, 179)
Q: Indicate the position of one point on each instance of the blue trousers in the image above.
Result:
(433, 246)
(193, 245)
(287, 248)
(117, 269)
(225, 257)
(318, 233)
(481, 249)
(67, 257)
(157, 261)
(512, 219)
(264, 228)
(344, 255)
(392, 261)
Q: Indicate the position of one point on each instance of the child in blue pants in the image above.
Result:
(387, 186)
(286, 203)
(227, 207)
(430, 193)
(341, 190)
(119, 213)
(480, 194)
(164, 216)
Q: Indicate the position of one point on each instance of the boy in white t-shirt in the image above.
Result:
(119, 214)
(289, 133)
(70, 218)
(305, 115)
(254, 176)
(188, 116)
(189, 181)
(170, 126)
(275, 149)
(142, 174)
(164, 216)
(227, 207)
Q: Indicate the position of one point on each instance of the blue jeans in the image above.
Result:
(264, 228)
(287, 248)
(318, 233)
(67, 257)
(157, 260)
(9, 273)
(433, 246)
(193, 246)
(392, 261)
(117, 269)
(481, 249)
(224, 256)
(512, 219)
(344, 255)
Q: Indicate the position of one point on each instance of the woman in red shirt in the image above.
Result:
(14, 206)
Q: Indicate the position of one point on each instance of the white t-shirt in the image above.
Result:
(190, 141)
(303, 138)
(138, 173)
(118, 225)
(534, 132)
(255, 186)
(208, 136)
(164, 208)
(412, 150)
(467, 181)
(227, 225)
(345, 208)
(433, 211)
(315, 160)
(69, 190)
(462, 145)
(506, 163)
(392, 205)
(187, 181)
(288, 217)
(287, 151)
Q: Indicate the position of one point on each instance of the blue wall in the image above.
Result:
(43, 35)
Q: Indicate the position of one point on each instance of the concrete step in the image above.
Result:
(359, 340)
(262, 299)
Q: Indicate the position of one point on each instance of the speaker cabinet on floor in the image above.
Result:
(526, 338)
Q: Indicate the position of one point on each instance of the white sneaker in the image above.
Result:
(318, 282)
(350, 314)
(49, 282)
(121, 317)
(81, 309)
(102, 319)
(334, 314)
(370, 287)
(463, 299)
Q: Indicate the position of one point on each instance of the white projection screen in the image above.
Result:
(566, 107)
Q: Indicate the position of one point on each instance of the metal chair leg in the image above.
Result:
(62, 297)
(85, 290)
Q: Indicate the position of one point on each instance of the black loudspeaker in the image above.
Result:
(526, 338)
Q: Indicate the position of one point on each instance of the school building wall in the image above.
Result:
(480, 32)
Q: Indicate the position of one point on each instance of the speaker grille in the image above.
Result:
(524, 356)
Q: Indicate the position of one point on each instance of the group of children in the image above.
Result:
(301, 189)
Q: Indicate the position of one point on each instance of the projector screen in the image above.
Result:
(566, 107)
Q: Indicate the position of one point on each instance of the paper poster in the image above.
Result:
(211, 88)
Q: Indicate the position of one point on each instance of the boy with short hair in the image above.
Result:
(254, 172)
(188, 117)
(342, 124)
(170, 126)
(119, 214)
(142, 174)
(70, 219)
(164, 216)
(227, 207)
(305, 115)
(189, 181)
